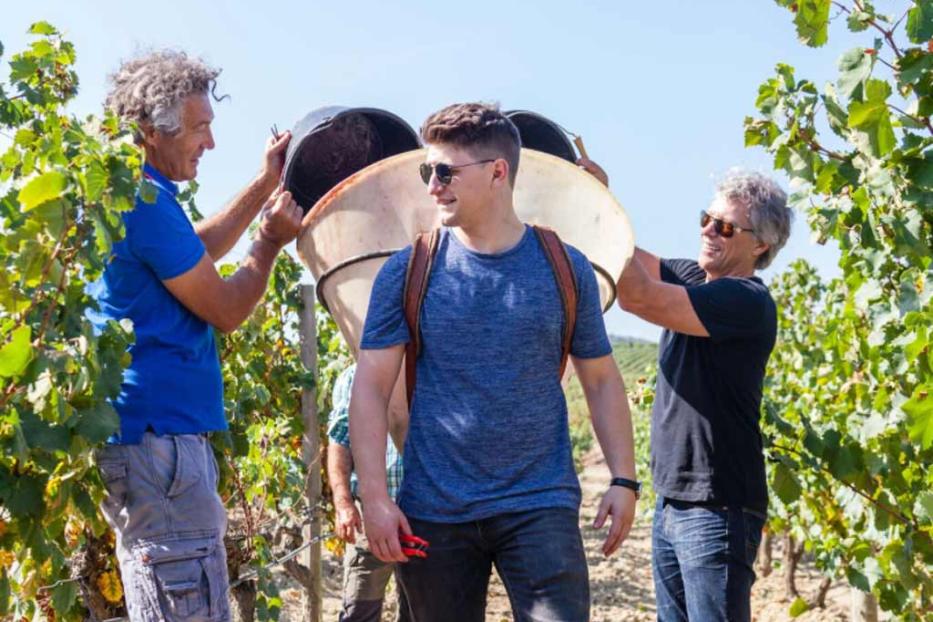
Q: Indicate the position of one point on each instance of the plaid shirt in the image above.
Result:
(338, 431)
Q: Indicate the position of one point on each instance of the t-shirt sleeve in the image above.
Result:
(589, 334)
(731, 307)
(385, 324)
(161, 236)
(682, 272)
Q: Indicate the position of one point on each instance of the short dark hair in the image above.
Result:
(477, 127)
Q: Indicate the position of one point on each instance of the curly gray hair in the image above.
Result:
(767, 209)
(150, 89)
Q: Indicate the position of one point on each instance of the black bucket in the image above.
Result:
(542, 134)
(332, 143)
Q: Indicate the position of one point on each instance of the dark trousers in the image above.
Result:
(703, 559)
(539, 556)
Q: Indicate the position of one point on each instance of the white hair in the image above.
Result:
(767, 209)
(150, 89)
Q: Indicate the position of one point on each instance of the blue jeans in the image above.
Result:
(539, 556)
(703, 559)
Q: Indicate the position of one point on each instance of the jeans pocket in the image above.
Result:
(182, 577)
(753, 528)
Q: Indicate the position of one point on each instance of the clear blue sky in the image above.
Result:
(658, 90)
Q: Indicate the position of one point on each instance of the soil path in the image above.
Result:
(621, 587)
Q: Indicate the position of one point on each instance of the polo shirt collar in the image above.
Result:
(150, 173)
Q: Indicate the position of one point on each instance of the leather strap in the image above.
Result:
(566, 283)
(416, 285)
(418, 273)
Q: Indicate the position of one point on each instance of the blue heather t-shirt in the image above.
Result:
(173, 384)
(488, 432)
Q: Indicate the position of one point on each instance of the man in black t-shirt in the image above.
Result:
(707, 460)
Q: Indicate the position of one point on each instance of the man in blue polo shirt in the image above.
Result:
(159, 470)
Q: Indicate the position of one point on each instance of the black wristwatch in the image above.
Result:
(627, 483)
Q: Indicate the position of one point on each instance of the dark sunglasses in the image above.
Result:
(723, 228)
(444, 172)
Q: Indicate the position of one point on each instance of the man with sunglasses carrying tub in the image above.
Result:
(707, 460)
(489, 475)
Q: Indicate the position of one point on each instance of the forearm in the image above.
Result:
(368, 430)
(634, 286)
(222, 230)
(398, 414)
(339, 467)
(612, 422)
(249, 282)
(651, 263)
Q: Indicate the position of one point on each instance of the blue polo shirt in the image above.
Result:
(173, 385)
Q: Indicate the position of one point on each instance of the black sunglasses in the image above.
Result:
(444, 172)
(723, 228)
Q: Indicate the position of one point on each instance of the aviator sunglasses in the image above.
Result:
(444, 172)
(723, 228)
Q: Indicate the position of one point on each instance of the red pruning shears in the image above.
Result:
(413, 546)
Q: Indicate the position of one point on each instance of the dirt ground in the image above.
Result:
(621, 586)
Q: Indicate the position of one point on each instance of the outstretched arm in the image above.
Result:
(221, 231)
(653, 300)
(226, 303)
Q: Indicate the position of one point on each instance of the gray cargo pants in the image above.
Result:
(364, 585)
(169, 521)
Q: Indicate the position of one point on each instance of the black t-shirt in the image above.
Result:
(705, 440)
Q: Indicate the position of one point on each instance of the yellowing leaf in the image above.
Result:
(110, 586)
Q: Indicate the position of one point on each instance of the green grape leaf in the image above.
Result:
(43, 188)
(858, 20)
(16, 353)
(854, 69)
(42, 28)
(96, 180)
(923, 508)
(148, 192)
(914, 65)
(97, 423)
(64, 596)
(785, 483)
(23, 495)
(919, 410)
(873, 117)
(921, 171)
(43, 435)
(812, 20)
(920, 21)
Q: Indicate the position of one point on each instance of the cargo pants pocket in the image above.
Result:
(183, 578)
(175, 462)
(111, 465)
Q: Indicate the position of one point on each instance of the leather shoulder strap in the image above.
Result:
(417, 274)
(566, 283)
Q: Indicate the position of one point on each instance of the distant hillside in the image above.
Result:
(635, 357)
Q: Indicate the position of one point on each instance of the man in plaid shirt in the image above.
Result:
(364, 576)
